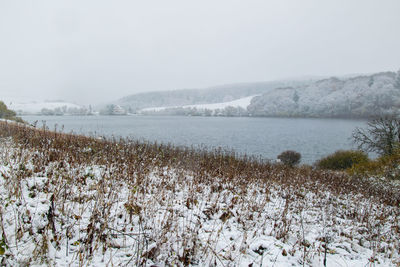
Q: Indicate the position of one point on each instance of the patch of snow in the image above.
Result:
(241, 102)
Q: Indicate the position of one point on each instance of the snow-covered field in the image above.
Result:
(24, 106)
(242, 102)
(96, 203)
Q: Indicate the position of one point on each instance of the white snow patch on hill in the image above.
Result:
(241, 102)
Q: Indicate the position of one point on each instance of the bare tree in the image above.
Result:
(382, 135)
(290, 158)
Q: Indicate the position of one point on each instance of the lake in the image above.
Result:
(265, 137)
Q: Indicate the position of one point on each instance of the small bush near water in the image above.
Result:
(342, 159)
(385, 166)
(290, 158)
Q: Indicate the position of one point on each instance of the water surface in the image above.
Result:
(265, 137)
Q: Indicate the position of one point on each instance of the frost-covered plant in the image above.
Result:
(397, 82)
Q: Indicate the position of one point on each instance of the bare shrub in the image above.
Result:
(382, 135)
(290, 158)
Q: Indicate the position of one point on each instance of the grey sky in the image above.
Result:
(94, 51)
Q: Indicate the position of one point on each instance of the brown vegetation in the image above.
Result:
(129, 158)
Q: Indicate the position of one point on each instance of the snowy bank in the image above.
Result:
(74, 201)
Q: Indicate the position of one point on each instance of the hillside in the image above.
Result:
(68, 200)
(346, 97)
(183, 97)
(361, 96)
(29, 107)
(237, 107)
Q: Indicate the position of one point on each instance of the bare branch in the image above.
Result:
(382, 135)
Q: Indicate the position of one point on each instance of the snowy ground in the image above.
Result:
(242, 102)
(55, 212)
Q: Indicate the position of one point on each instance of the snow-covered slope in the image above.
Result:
(355, 96)
(215, 94)
(241, 102)
(26, 107)
(360, 96)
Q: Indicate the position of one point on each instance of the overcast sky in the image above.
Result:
(95, 51)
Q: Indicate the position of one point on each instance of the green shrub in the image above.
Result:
(7, 114)
(290, 158)
(385, 166)
(342, 159)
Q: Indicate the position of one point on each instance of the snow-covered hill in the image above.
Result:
(211, 95)
(348, 96)
(241, 103)
(360, 96)
(27, 107)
